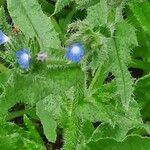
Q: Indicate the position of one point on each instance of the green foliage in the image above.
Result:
(3, 24)
(85, 3)
(142, 14)
(117, 121)
(31, 128)
(60, 4)
(2, 2)
(18, 86)
(49, 124)
(143, 97)
(59, 100)
(14, 137)
(95, 14)
(130, 143)
(47, 7)
(125, 37)
(28, 22)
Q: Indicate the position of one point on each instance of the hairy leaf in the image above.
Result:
(130, 143)
(60, 4)
(26, 16)
(49, 124)
(143, 97)
(19, 86)
(142, 14)
(95, 14)
(3, 21)
(14, 137)
(85, 3)
(120, 49)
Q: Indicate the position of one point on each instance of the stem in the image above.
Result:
(61, 63)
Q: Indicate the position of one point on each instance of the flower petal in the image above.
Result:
(75, 52)
(3, 38)
(23, 58)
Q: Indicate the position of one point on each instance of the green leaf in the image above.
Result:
(95, 14)
(142, 96)
(51, 82)
(60, 4)
(142, 14)
(120, 55)
(3, 73)
(2, 68)
(14, 137)
(12, 141)
(93, 112)
(2, 3)
(34, 133)
(115, 121)
(144, 49)
(30, 24)
(54, 81)
(82, 4)
(114, 3)
(49, 124)
(130, 143)
(61, 109)
(47, 7)
(4, 77)
(72, 133)
(106, 130)
(3, 21)
(53, 105)
(87, 130)
(73, 124)
(119, 131)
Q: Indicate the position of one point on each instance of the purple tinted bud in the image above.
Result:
(42, 56)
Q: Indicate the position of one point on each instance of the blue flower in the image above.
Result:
(75, 52)
(3, 38)
(24, 58)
